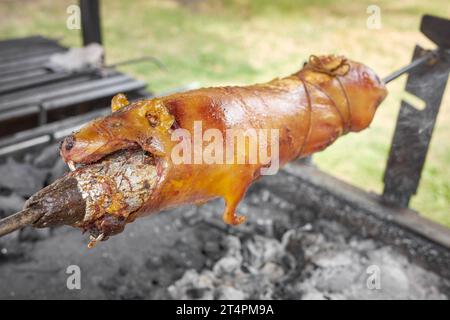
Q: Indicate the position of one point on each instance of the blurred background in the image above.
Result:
(219, 42)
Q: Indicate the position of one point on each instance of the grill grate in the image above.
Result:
(31, 94)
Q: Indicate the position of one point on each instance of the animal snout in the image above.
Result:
(68, 143)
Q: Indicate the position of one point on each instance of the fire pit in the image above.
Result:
(287, 250)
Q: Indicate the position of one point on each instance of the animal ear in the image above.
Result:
(118, 102)
(158, 116)
(331, 64)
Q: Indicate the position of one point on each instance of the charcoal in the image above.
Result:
(189, 253)
(326, 267)
(30, 234)
(10, 204)
(272, 271)
(47, 157)
(22, 178)
(227, 265)
(11, 249)
(58, 170)
(12, 252)
(230, 293)
(314, 295)
(193, 286)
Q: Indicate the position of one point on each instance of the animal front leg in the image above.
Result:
(232, 200)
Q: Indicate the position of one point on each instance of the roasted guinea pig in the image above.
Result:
(128, 163)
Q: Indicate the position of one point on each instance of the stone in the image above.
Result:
(58, 170)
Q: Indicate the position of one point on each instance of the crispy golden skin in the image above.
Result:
(329, 97)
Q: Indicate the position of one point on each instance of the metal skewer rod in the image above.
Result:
(19, 220)
(156, 61)
(414, 64)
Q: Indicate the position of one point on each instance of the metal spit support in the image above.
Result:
(90, 21)
(414, 128)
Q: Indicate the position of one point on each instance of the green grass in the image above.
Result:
(243, 41)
